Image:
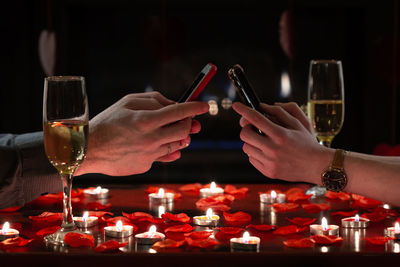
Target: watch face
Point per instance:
(334, 180)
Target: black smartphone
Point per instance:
(244, 89)
(199, 83)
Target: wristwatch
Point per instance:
(335, 178)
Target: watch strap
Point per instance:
(338, 159)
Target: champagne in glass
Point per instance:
(65, 129)
(325, 106)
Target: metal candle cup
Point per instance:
(209, 219)
(161, 197)
(97, 192)
(393, 231)
(86, 221)
(212, 191)
(119, 230)
(247, 242)
(150, 237)
(355, 222)
(324, 228)
(7, 232)
(273, 197)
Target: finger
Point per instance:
(196, 127)
(258, 120)
(172, 147)
(243, 122)
(250, 135)
(253, 152)
(169, 158)
(298, 113)
(173, 132)
(157, 96)
(174, 113)
(282, 116)
(138, 103)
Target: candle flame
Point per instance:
(273, 194)
(213, 187)
(397, 228)
(386, 206)
(356, 218)
(152, 229)
(209, 213)
(6, 227)
(118, 226)
(246, 237)
(97, 190)
(324, 224)
(161, 210)
(85, 216)
(161, 192)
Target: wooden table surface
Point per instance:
(131, 198)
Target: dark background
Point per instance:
(125, 47)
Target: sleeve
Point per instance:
(25, 172)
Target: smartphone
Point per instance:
(243, 87)
(199, 83)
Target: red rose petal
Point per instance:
(337, 195)
(10, 209)
(110, 245)
(201, 243)
(297, 196)
(299, 243)
(180, 217)
(288, 230)
(301, 221)
(315, 208)
(217, 203)
(182, 228)
(285, 207)
(14, 242)
(47, 217)
(137, 215)
(168, 243)
(97, 206)
(48, 230)
(379, 214)
(199, 235)
(237, 219)
(79, 240)
(229, 230)
(194, 188)
(261, 227)
(378, 240)
(232, 190)
(365, 202)
(345, 213)
(326, 239)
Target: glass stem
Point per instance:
(68, 221)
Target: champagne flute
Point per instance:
(325, 105)
(65, 129)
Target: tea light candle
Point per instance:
(393, 231)
(246, 242)
(355, 222)
(85, 221)
(273, 197)
(212, 191)
(208, 220)
(150, 237)
(161, 197)
(118, 230)
(7, 232)
(97, 192)
(324, 228)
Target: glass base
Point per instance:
(58, 237)
(316, 191)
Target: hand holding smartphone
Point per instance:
(199, 83)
